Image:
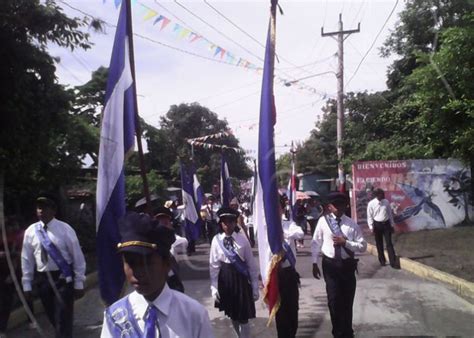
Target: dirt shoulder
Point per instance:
(449, 250)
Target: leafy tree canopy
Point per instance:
(37, 133)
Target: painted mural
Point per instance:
(424, 194)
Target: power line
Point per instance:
(218, 31)
(152, 40)
(173, 47)
(358, 12)
(176, 17)
(236, 100)
(233, 24)
(80, 61)
(70, 72)
(373, 42)
(214, 28)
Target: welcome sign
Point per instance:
(423, 194)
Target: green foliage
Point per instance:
(429, 108)
(37, 133)
(418, 31)
(134, 186)
(318, 153)
(168, 145)
(283, 169)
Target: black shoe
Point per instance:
(383, 263)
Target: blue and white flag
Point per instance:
(266, 209)
(192, 200)
(226, 184)
(116, 143)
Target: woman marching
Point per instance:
(234, 273)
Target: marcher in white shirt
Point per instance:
(164, 216)
(234, 273)
(286, 318)
(153, 309)
(380, 222)
(210, 213)
(337, 237)
(68, 277)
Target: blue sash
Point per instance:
(121, 321)
(54, 252)
(235, 259)
(289, 254)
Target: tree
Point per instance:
(319, 151)
(417, 31)
(36, 129)
(283, 169)
(134, 186)
(167, 145)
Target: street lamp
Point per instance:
(340, 124)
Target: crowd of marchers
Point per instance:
(47, 257)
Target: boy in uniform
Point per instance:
(152, 309)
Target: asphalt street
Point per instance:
(388, 302)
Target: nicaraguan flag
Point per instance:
(267, 216)
(192, 200)
(226, 185)
(116, 142)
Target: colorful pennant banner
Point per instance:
(183, 33)
(215, 146)
(222, 54)
(210, 137)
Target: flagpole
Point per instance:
(138, 129)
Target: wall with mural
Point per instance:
(424, 194)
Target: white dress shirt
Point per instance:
(65, 239)
(379, 211)
(242, 248)
(322, 239)
(211, 211)
(291, 232)
(178, 315)
(179, 242)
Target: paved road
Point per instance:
(388, 303)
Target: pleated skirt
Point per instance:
(235, 294)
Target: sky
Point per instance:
(173, 69)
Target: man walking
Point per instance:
(380, 221)
(52, 249)
(337, 237)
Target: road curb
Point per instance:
(462, 286)
(19, 316)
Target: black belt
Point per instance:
(384, 222)
(55, 275)
(333, 259)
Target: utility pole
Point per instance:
(341, 36)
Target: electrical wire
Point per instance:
(218, 31)
(176, 17)
(83, 64)
(233, 24)
(373, 42)
(152, 40)
(69, 72)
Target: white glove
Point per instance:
(214, 293)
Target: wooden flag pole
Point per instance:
(138, 130)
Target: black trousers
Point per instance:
(287, 316)
(7, 291)
(59, 310)
(340, 288)
(384, 230)
(211, 230)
